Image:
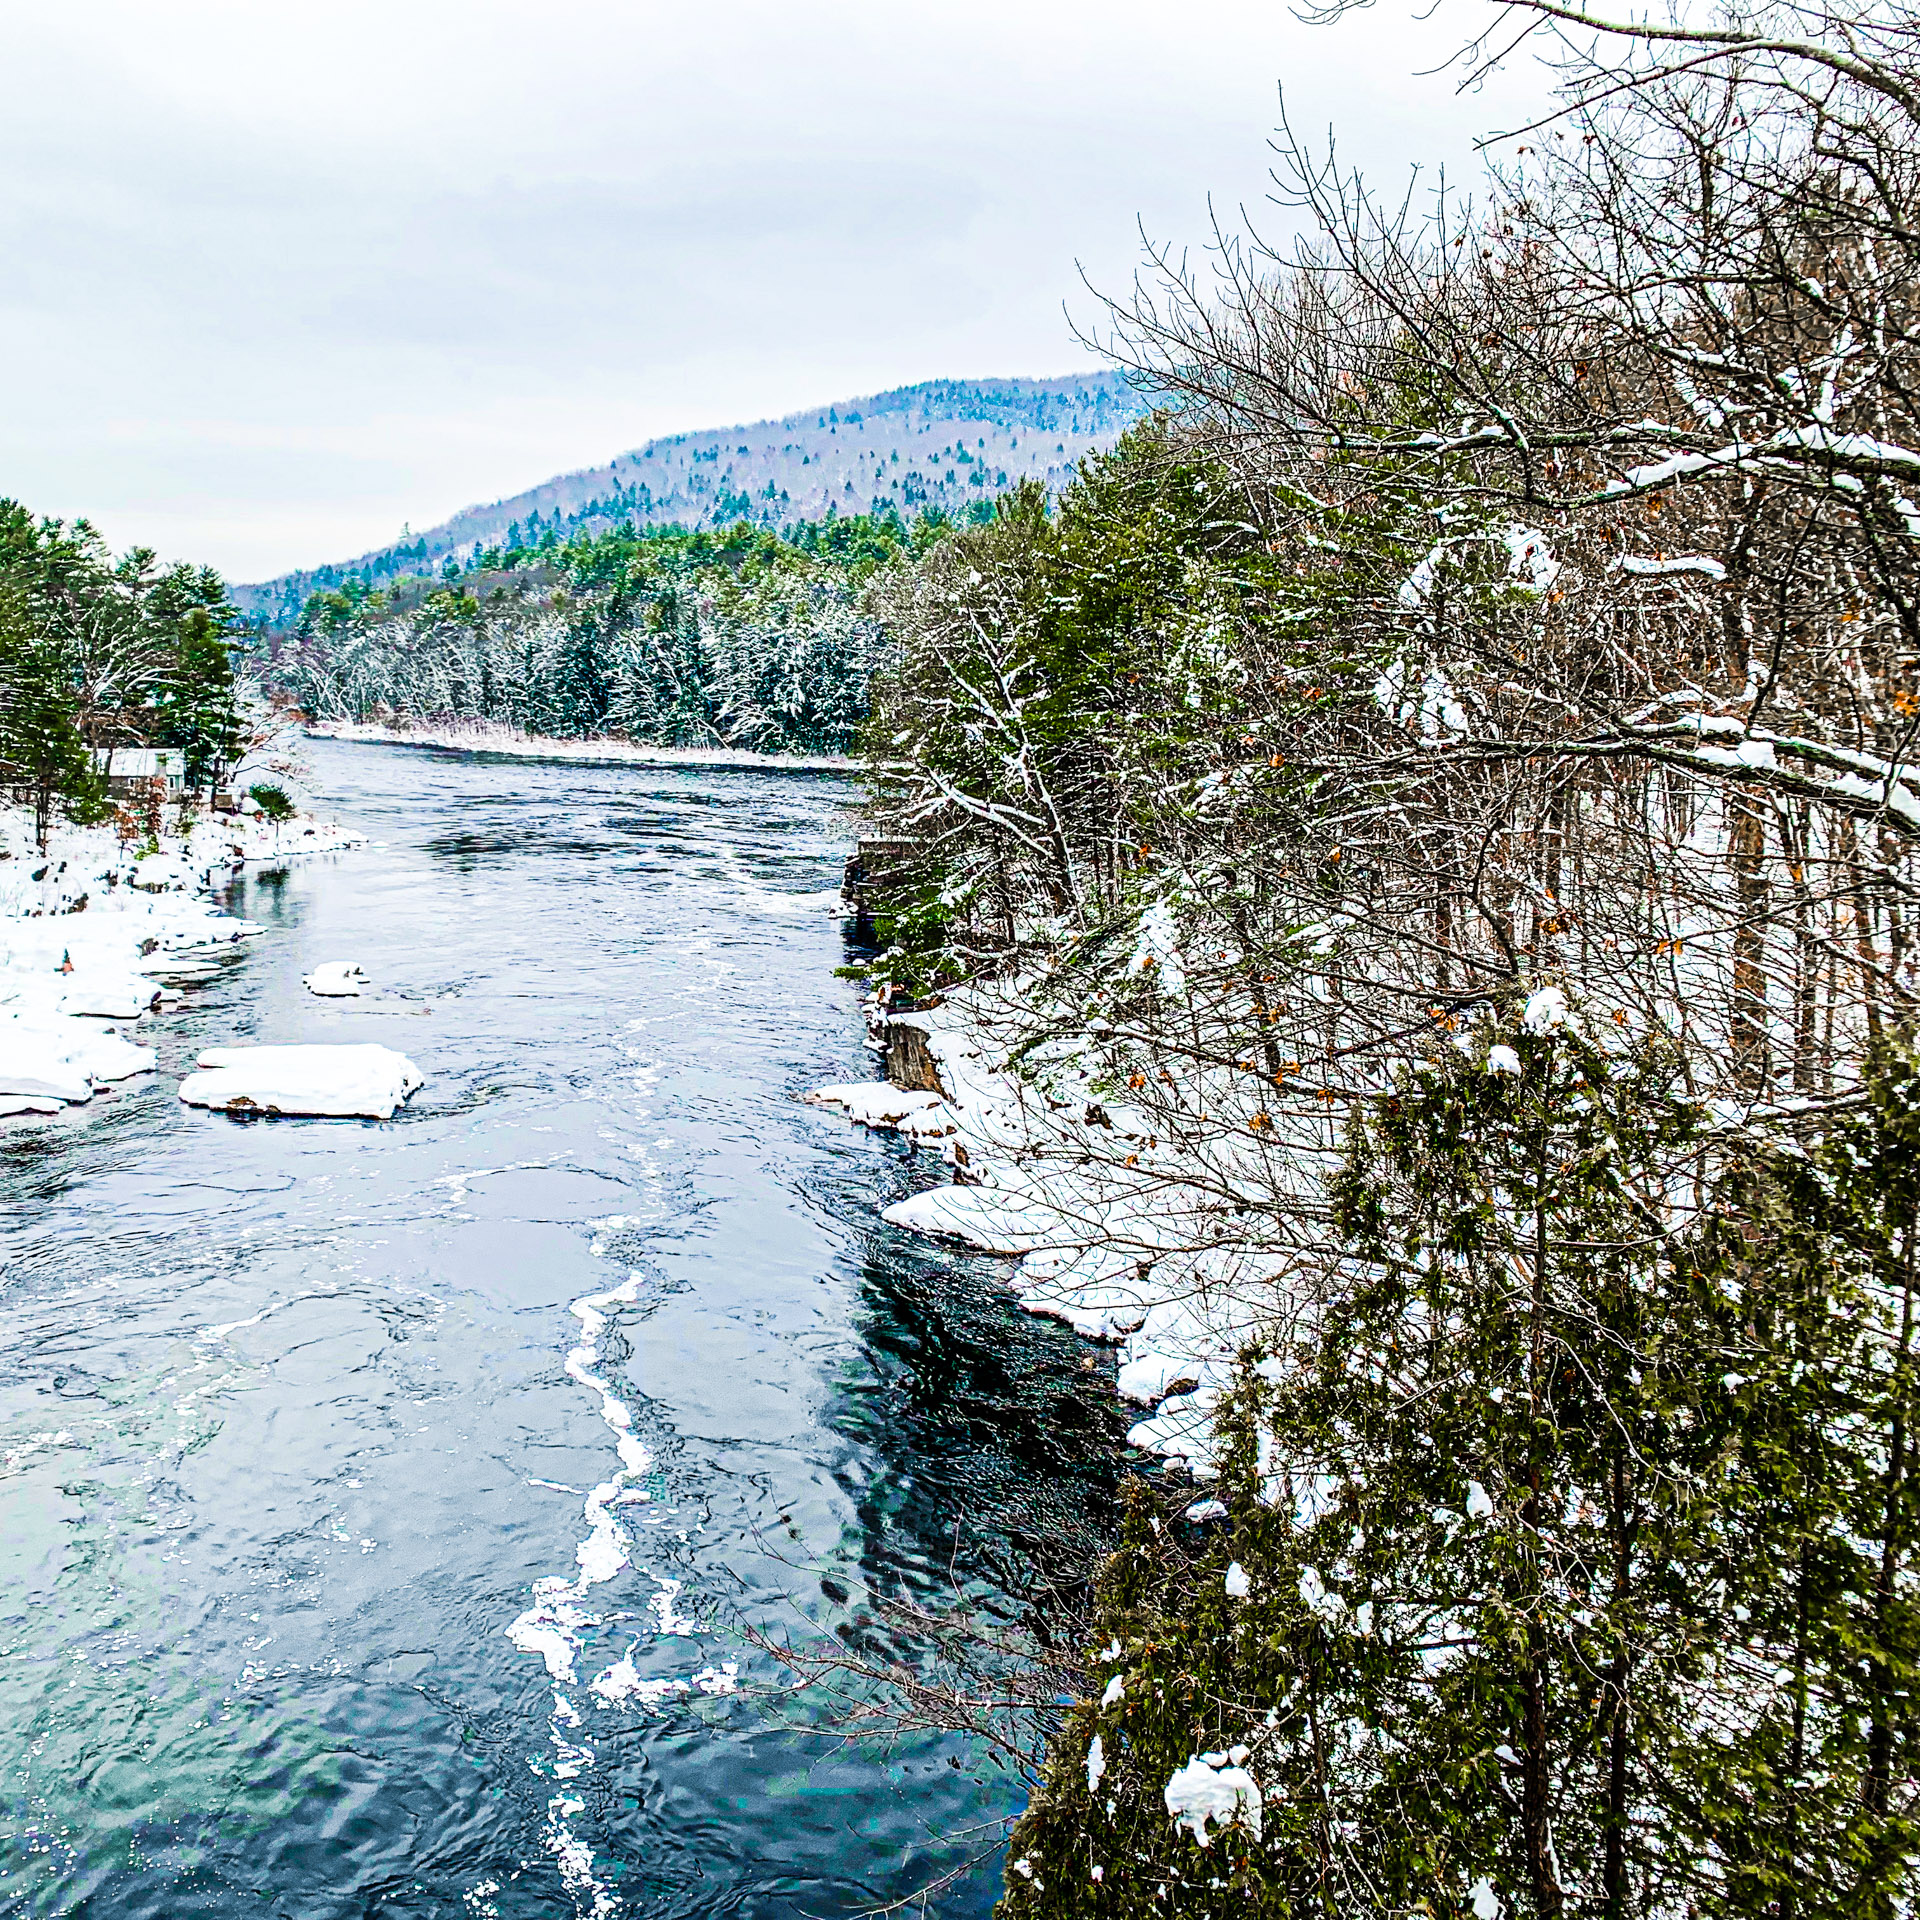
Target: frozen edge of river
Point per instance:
(94, 938)
(509, 743)
(1116, 1244)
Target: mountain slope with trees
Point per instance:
(741, 638)
(940, 446)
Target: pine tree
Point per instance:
(41, 745)
(1453, 1622)
(199, 712)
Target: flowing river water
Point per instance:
(385, 1509)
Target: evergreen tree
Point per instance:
(1565, 1566)
(198, 710)
(41, 746)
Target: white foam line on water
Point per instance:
(555, 1626)
(457, 1184)
(272, 1307)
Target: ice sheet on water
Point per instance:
(874, 1103)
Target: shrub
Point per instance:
(273, 802)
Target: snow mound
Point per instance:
(994, 1222)
(106, 991)
(62, 1062)
(1198, 1794)
(1097, 1291)
(874, 1103)
(1545, 1011)
(321, 1081)
(1150, 1378)
(336, 980)
(36, 1066)
(1182, 1430)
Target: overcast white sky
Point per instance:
(277, 277)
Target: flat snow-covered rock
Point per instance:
(1150, 1378)
(35, 1066)
(102, 1055)
(874, 1103)
(366, 1082)
(114, 993)
(337, 980)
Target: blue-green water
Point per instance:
(287, 1435)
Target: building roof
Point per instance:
(141, 763)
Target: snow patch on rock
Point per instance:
(336, 980)
(326, 1082)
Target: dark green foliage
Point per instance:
(272, 801)
(1814, 1804)
(197, 709)
(1067, 674)
(734, 637)
(1577, 1549)
(100, 654)
(41, 746)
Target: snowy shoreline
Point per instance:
(490, 740)
(1103, 1238)
(1123, 1232)
(95, 937)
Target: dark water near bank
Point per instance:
(286, 1435)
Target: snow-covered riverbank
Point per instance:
(490, 737)
(95, 935)
(1114, 1231)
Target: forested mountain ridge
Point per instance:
(937, 445)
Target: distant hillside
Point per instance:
(941, 444)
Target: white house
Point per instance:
(131, 769)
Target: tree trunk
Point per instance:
(1749, 852)
(1619, 1674)
(1535, 1797)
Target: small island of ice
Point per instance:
(337, 980)
(345, 1082)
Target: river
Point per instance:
(296, 1417)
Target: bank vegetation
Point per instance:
(1454, 773)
